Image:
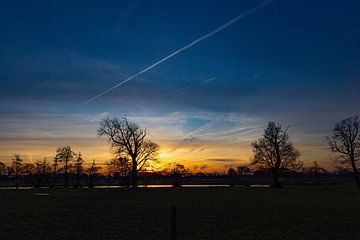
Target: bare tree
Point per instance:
(316, 169)
(17, 163)
(3, 170)
(231, 172)
(28, 170)
(128, 141)
(276, 152)
(42, 168)
(65, 155)
(345, 140)
(176, 171)
(55, 165)
(122, 167)
(78, 168)
(93, 169)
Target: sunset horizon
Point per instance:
(204, 91)
(179, 119)
(205, 86)
(215, 151)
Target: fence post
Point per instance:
(173, 223)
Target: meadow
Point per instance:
(293, 212)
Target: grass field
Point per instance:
(297, 212)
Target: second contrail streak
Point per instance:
(206, 36)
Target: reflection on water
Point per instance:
(153, 186)
(101, 187)
(156, 186)
(205, 185)
(260, 185)
(140, 186)
(42, 194)
(14, 188)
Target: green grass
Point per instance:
(299, 212)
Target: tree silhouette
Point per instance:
(128, 141)
(55, 165)
(122, 166)
(28, 170)
(42, 168)
(3, 170)
(176, 171)
(17, 163)
(231, 172)
(65, 155)
(274, 151)
(78, 168)
(316, 169)
(345, 140)
(93, 169)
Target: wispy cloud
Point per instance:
(200, 83)
(222, 160)
(193, 43)
(222, 138)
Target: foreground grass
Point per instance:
(302, 212)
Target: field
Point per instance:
(296, 212)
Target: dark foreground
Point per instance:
(297, 212)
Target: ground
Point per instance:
(296, 212)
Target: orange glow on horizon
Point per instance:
(209, 157)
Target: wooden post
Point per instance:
(173, 223)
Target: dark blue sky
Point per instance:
(296, 62)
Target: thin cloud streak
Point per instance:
(180, 90)
(206, 36)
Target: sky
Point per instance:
(293, 62)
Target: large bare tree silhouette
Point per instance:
(129, 141)
(345, 140)
(275, 151)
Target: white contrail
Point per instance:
(206, 36)
(177, 91)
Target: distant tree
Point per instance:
(3, 170)
(172, 167)
(28, 169)
(92, 171)
(201, 174)
(78, 164)
(231, 172)
(17, 164)
(65, 155)
(244, 170)
(55, 165)
(316, 169)
(176, 171)
(276, 152)
(43, 168)
(181, 169)
(128, 141)
(345, 140)
(122, 166)
(341, 169)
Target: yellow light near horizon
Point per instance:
(170, 152)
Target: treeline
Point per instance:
(51, 174)
(274, 155)
(273, 152)
(66, 166)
